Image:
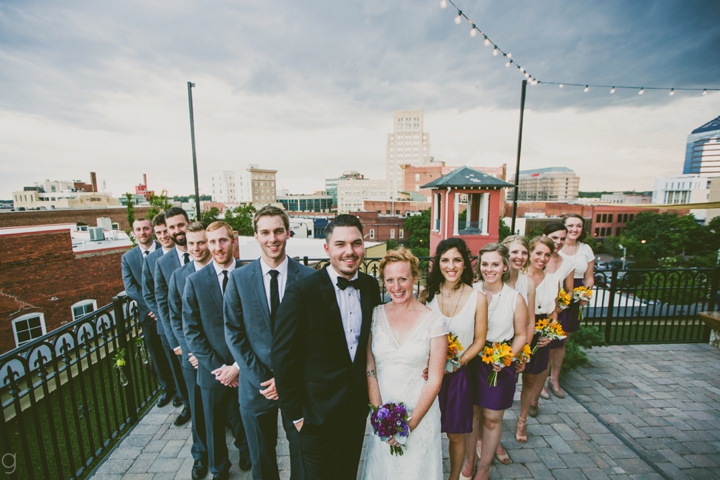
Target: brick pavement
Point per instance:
(636, 412)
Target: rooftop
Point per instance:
(467, 177)
(547, 170)
(713, 124)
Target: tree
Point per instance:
(504, 230)
(391, 245)
(130, 214)
(211, 215)
(158, 203)
(652, 236)
(240, 219)
(417, 228)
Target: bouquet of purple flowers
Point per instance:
(391, 420)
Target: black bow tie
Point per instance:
(343, 283)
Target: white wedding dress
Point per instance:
(399, 371)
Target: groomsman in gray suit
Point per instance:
(253, 295)
(176, 220)
(204, 328)
(132, 263)
(198, 248)
(147, 284)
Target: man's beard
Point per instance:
(182, 242)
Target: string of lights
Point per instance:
(532, 80)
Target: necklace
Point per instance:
(442, 296)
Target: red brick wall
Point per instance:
(381, 225)
(37, 267)
(75, 215)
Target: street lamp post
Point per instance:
(624, 258)
(517, 164)
(198, 216)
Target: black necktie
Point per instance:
(186, 258)
(274, 296)
(225, 280)
(343, 283)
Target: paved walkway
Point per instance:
(638, 412)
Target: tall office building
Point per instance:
(407, 145)
(254, 185)
(702, 153)
(556, 184)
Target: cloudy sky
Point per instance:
(309, 87)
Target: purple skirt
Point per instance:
(455, 397)
(539, 361)
(499, 397)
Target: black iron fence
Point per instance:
(630, 305)
(65, 400)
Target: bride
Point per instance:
(404, 334)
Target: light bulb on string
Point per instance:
(508, 63)
(642, 90)
(443, 3)
(473, 31)
(487, 42)
(527, 75)
(495, 52)
(509, 55)
(704, 91)
(587, 87)
(672, 92)
(458, 19)
(561, 85)
(612, 90)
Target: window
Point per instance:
(604, 218)
(82, 308)
(402, 233)
(610, 215)
(597, 232)
(392, 233)
(28, 327)
(598, 218)
(632, 216)
(372, 233)
(417, 177)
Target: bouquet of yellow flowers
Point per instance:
(564, 299)
(523, 355)
(453, 353)
(549, 328)
(581, 293)
(497, 354)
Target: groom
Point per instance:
(319, 354)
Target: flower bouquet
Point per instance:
(453, 353)
(523, 355)
(549, 328)
(142, 351)
(582, 293)
(119, 363)
(498, 354)
(391, 420)
(564, 299)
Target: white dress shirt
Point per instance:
(281, 278)
(220, 276)
(181, 256)
(350, 310)
(149, 250)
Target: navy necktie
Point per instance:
(225, 280)
(274, 296)
(186, 258)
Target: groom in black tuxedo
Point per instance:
(319, 354)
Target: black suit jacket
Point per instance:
(204, 325)
(314, 376)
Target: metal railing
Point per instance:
(63, 401)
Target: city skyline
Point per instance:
(310, 89)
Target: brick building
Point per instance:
(87, 216)
(380, 228)
(45, 284)
(398, 207)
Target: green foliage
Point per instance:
(187, 198)
(211, 215)
(585, 338)
(240, 219)
(592, 194)
(417, 228)
(535, 232)
(391, 245)
(130, 214)
(653, 236)
(504, 230)
(158, 203)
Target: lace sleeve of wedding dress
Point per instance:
(438, 326)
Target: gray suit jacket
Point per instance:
(203, 324)
(164, 268)
(132, 264)
(248, 330)
(176, 287)
(148, 285)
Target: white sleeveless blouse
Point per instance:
(521, 285)
(546, 295)
(463, 323)
(501, 314)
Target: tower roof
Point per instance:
(467, 177)
(713, 124)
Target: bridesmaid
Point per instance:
(507, 322)
(583, 259)
(563, 270)
(546, 292)
(449, 291)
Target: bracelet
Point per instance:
(459, 361)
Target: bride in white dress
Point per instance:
(406, 337)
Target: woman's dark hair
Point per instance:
(435, 277)
(582, 220)
(553, 227)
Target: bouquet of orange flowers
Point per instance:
(549, 328)
(453, 353)
(564, 299)
(582, 293)
(523, 355)
(497, 354)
